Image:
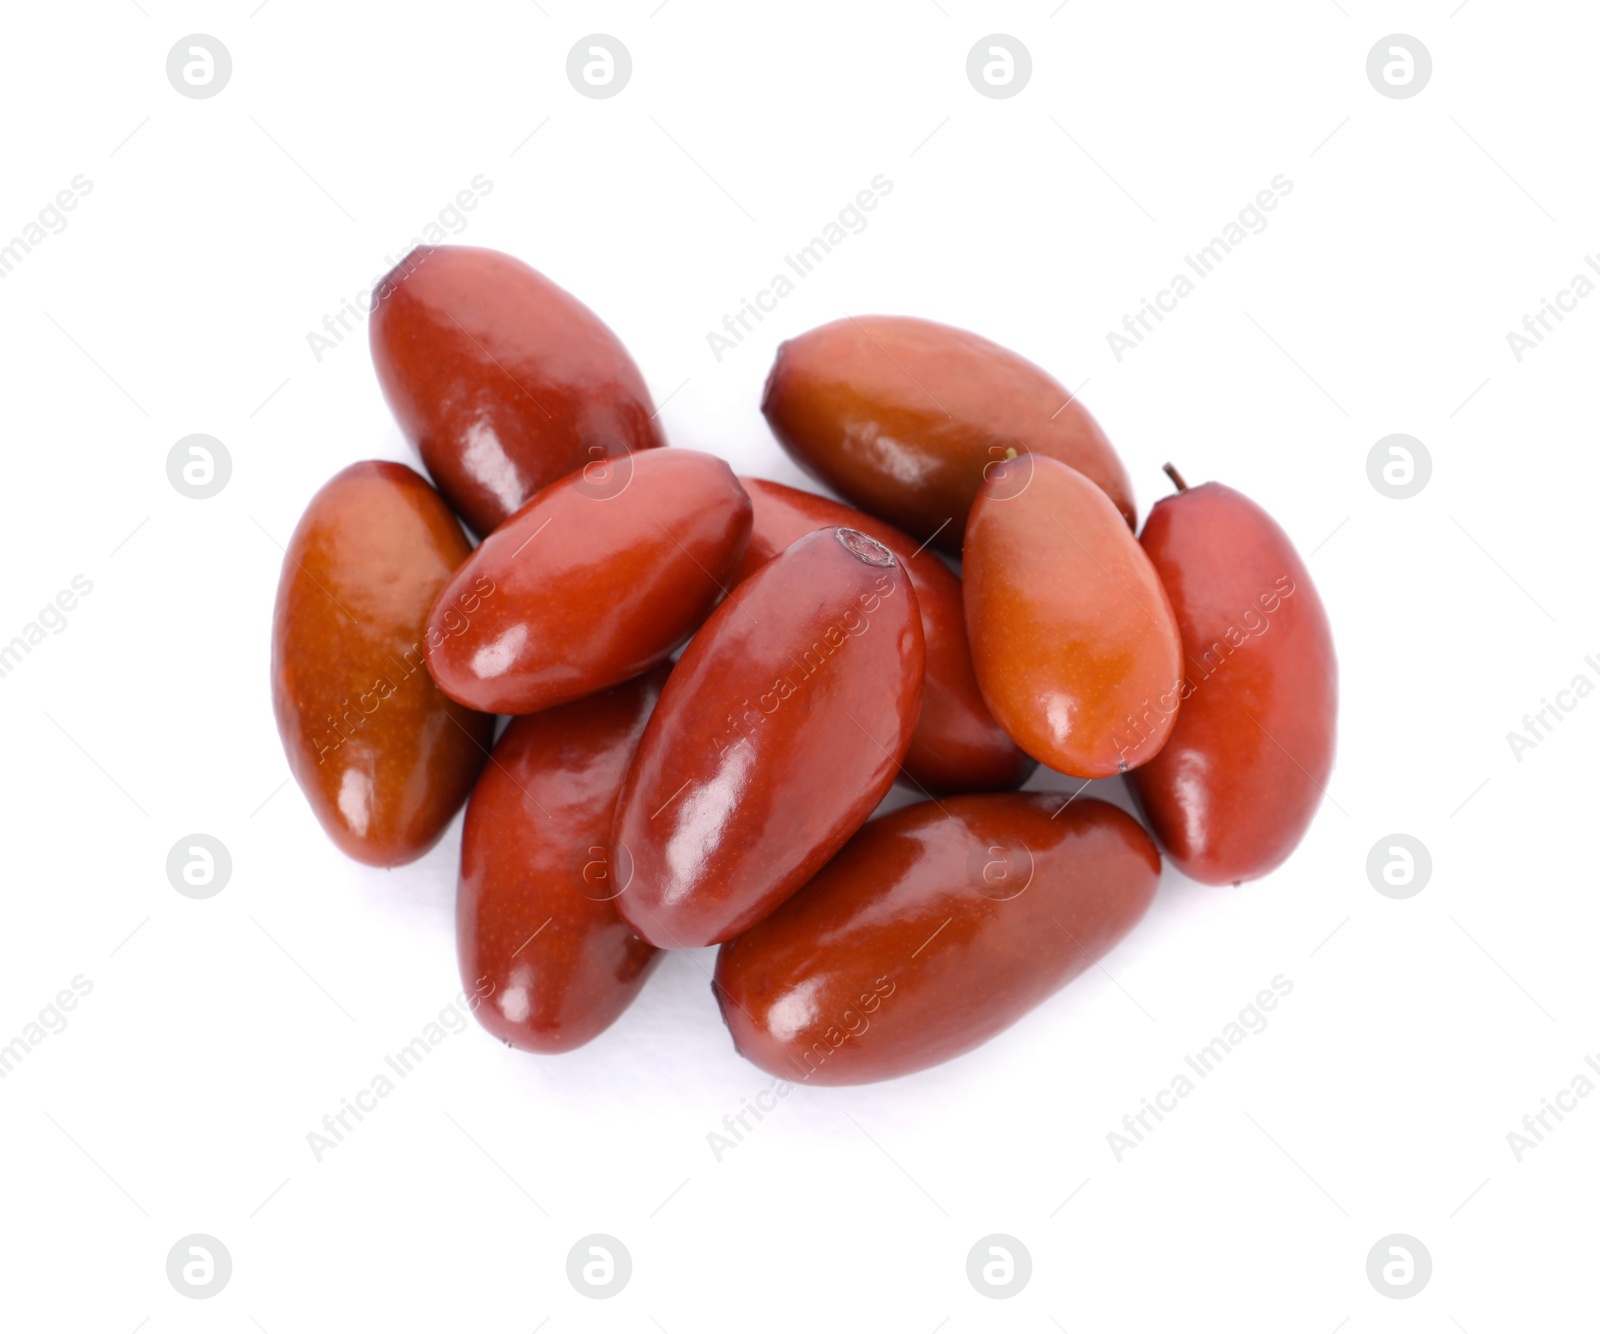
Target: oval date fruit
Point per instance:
(537, 930)
(383, 757)
(957, 746)
(1236, 785)
(501, 380)
(903, 417)
(936, 927)
(1072, 636)
(780, 729)
(590, 583)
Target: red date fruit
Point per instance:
(904, 417)
(936, 927)
(957, 746)
(1072, 636)
(537, 930)
(383, 757)
(593, 581)
(780, 729)
(1233, 790)
(501, 380)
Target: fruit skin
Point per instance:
(903, 417)
(501, 380)
(1072, 636)
(936, 927)
(1233, 790)
(594, 582)
(537, 930)
(957, 746)
(373, 548)
(779, 730)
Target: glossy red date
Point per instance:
(593, 581)
(537, 929)
(958, 746)
(937, 926)
(383, 757)
(501, 380)
(1234, 788)
(779, 730)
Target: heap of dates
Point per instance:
(639, 801)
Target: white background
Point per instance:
(218, 1033)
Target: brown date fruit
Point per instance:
(1072, 636)
(904, 417)
(383, 757)
(501, 380)
(781, 727)
(957, 746)
(1236, 785)
(936, 927)
(537, 930)
(593, 581)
